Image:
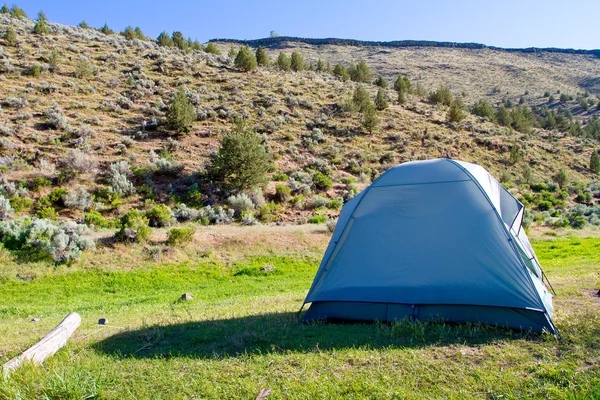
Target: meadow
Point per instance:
(239, 333)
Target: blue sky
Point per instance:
(505, 23)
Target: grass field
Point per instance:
(239, 334)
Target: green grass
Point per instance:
(239, 334)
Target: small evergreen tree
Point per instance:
(262, 58)
(245, 60)
(196, 46)
(40, 27)
(527, 174)
(381, 100)
(595, 162)
(129, 33)
(139, 34)
(164, 39)
(456, 111)
(241, 162)
(284, 62)
(297, 62)
(106, 30)
(403, 84)
(320, 66)
(370, 120)
(212, 49)
(441, 96)
(401, 97)
(561, 178)
(503, 116)
(381, 82)
(483, 109)
(361, 99)
(17, 12)
(181, 114)
(53, 60)
(84, 25)
(4, 9)
(179, 41)
(10, 36)
(341, 72)
(515, 155)
(232, 53)
(360, 72)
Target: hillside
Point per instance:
(76, 101)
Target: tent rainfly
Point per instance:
(432, 240)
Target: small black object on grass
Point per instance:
(103, 321)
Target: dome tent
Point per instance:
(435, 239)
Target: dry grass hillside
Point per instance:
(476, 73)
(76, 101)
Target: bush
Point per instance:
(370, 119)
(10, 36)
(322, 181)
(54, 198)
(341, 72)
(317, 219)
(118, 178)
(180, 236)
(360, 72)
(267, 212)
(216, 215)
(84, 69)
(361, 99)
(159, 216)
(331, 224)
(164, 39)
(56, 119)
(78, 162)
(283, 193)
(184, 213)
(47, 213)
(40, 27)
(248, 219)
(241, 162)
(38, 183)
(381, 100)
(212, 49)
(240, 203)
(441, 96)
(297, 62)
(36, 70)
(134, 227)
(78, 199)
(181, 114)
(284, 62)
(456, 112)
(6, 209)
(21, 203)
(94, 218)
(561, 178)
(279, 177)
(483, 109)
(262, 58)
(245, 60)
(63, 242)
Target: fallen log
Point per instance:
(49, 344)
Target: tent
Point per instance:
(432, 240)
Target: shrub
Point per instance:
(21, 203)
(39, 182)
(245, 60)
(79, 162)
(262, 58)
(212, 49)
(79, 199)
(279, 177)
(381, 100)
(181, 114)
(561, 178)
(10, 36)
(6, 208)
(267, 212)
(331, 224)
(94, 218)
(56, 119)
(370, 119)
(54, 198)
(17, 12)
(283, 193)
(40, 27)
(134, 227)
(483, 109)
(341, 72)
(180, 236)
(361, 99)
(241, 162)
(118, 178)
(47, 213)
(403, 85)
(322, 181)
(248, 219)
(441, 96)
(360, 72)
(63, 242)
(317, 219)
(456, 112)
(240, 203)
(164, 39)
(595, 162)
(159, 215)
(84, 69)
(284, 62)
(319, 202)
(36, 71)
(297, 62)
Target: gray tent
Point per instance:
(436, 239)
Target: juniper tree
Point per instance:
(561, 178)
(245, 60)
(360, 72)
(370, 120)
(403, 84)
(527, 173)
(595, 162)
(381, 82)
(381, 101)
(320, 65)
(4, 9)
(129, 33)
(441, 96)
(503, 116)
(11, 36)
(196, 45)
(456, 111)
(515, 155)
(106, 30)
(17, 12)
(164, 39)
(179, 41)
(84, 25)
(361, 99)
(40, 27)
(341, 72)
(297, 62)
(181, 114)
(232, 53)
(284, 62)
(139, 34)
(262, 58)
(212, 49)
(483, 109)
(241, 163)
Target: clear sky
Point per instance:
(504, 23)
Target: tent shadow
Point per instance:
(282, 333)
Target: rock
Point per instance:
(267, 268)
(103, 321)
(186, 296)
(35, 320)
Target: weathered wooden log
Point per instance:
(49, 344)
